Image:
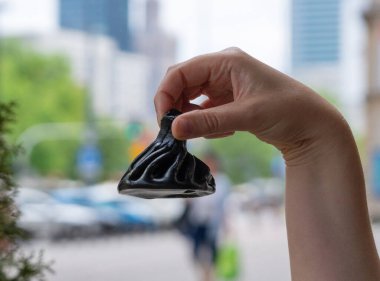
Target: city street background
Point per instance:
(167, 255)
(83, 75)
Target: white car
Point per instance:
(44, 217)
(162, 212)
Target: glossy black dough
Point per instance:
(165, 169)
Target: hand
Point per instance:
(245, 95)
(329, 232)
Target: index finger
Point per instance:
(194, 72)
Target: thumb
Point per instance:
(222, 119)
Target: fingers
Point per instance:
(222, 135)
(192, 74)
(189, 107)
(218, 121)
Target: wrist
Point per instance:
(328, 140)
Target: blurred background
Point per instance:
(83, 74)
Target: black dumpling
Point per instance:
(165, 169)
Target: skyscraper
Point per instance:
(326, 51)
(157, 45)
(316, 33)
(372, 17)
(108, 17)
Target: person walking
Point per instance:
(206, 221)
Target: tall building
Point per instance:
(326, 52)
(106, 17)
(160, 47)
(372, 18)
(117, 80)
(316, 34)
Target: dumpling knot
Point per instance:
(165, 169)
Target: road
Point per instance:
(167, 256)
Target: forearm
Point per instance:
(329, 231)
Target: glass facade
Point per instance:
(109, 17)
(315, 32)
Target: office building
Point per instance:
(316, 44)
(316, 32)
(115, 79)
(106, 17)
(372, 164)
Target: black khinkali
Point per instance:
(165, 169)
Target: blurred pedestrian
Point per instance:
(207, 219)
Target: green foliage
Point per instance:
(41, 86)
(6, 150)
(56, 158)
(14, 265)
(44, 92)
(114, 149)
(244, 156)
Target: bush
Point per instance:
(14, 265)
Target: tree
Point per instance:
(41, 85)
(244, 156)
(14, 265)
(45, 92)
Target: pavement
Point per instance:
(166, 255)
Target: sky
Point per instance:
(261, 28)
(25, 16)
(258, 27)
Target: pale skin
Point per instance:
(328, 226)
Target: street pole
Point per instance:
(90, 143)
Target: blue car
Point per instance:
(114, 212)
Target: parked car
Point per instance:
(129, 213)
(166, 212)
(261, 194)
(45, 217)
(113, 211)
(158, 213)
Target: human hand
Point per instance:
(245, 95)
(328, 227)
